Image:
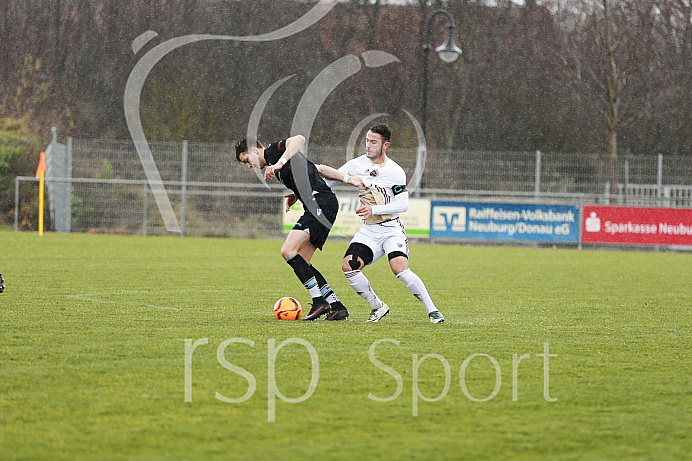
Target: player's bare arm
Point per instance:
(290, 200)
(332, 173)
(365, 211)
(293, 145)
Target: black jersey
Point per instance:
(293, 174)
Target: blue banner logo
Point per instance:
(505, 221)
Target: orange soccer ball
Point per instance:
(288, 309)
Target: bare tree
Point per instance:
(546, 75)
(595, 57)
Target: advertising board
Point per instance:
(637, 226)
(505, 221)
(416, 219)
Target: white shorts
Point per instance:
(384, 238)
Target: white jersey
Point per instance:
(389, 179)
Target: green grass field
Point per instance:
(93, 352)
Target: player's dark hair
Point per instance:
(241, 146)
(383, 130)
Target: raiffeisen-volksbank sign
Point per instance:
(505, 221)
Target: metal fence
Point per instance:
(212, 194)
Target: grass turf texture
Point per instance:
(93, 354)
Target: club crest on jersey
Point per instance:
(375, 172)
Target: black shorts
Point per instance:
(327, 206)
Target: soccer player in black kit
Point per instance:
(283, 160)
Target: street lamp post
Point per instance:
(448, 52)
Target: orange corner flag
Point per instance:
(40, 172)
(41, 165)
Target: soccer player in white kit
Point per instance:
(383, 197)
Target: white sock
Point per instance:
(361, 285)
(331, 299)
(328, 294)
(417, 287)
(313, 288)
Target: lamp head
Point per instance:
(448, 51)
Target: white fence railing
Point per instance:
(241, 209)
(666, 196)
(100, 185)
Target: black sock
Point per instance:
(301, 268)
(307, 278)
(325, 289)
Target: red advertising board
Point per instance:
(637, 226)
